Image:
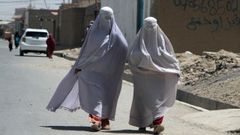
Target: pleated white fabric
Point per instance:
(155, 74)
(96, 88)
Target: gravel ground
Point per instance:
(214, 75)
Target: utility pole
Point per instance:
(140, 14)
(30, 4)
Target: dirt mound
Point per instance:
(214, 75)
(198, 67)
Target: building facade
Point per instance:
(42, 19)
(72, 23)
(125, 12)
(18, 17)
(191, 25)
(200, 25)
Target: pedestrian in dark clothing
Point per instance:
(86, 30)
(10, 43)
(16, 39)
(50, 46)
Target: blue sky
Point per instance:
(7, 7)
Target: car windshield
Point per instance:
(36, 34)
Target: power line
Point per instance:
(30, 4)
(45, 4)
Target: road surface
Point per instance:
(28, 82)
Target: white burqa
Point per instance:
(155, 74)
(96, 88)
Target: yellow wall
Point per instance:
(199, 25)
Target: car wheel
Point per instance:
(21, 52)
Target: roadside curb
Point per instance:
(63, 55)
(184, 103)
(192, 99)
(203, 102)
(182, 95)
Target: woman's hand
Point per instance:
(77, 70)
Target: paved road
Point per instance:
(27, 84)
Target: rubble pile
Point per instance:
(199, 67)
(72, 53)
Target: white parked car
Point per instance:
(33, 40)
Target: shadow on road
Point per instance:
(128, 131)
(88, 129)
(29, 55)
(72, 128)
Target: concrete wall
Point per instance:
(191, 25)
(125, 12)
(71, 27)
(35, 18)
(73, 22)
(200, 25)
(19, 19)
(84, 3)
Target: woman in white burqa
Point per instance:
(94, 82)
(155, 75)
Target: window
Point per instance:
(36, 34)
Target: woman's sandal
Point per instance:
(95, 121)
(142, 129)
(105, 124)
(158, 129)
(96, 126)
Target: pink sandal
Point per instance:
(95, 121)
